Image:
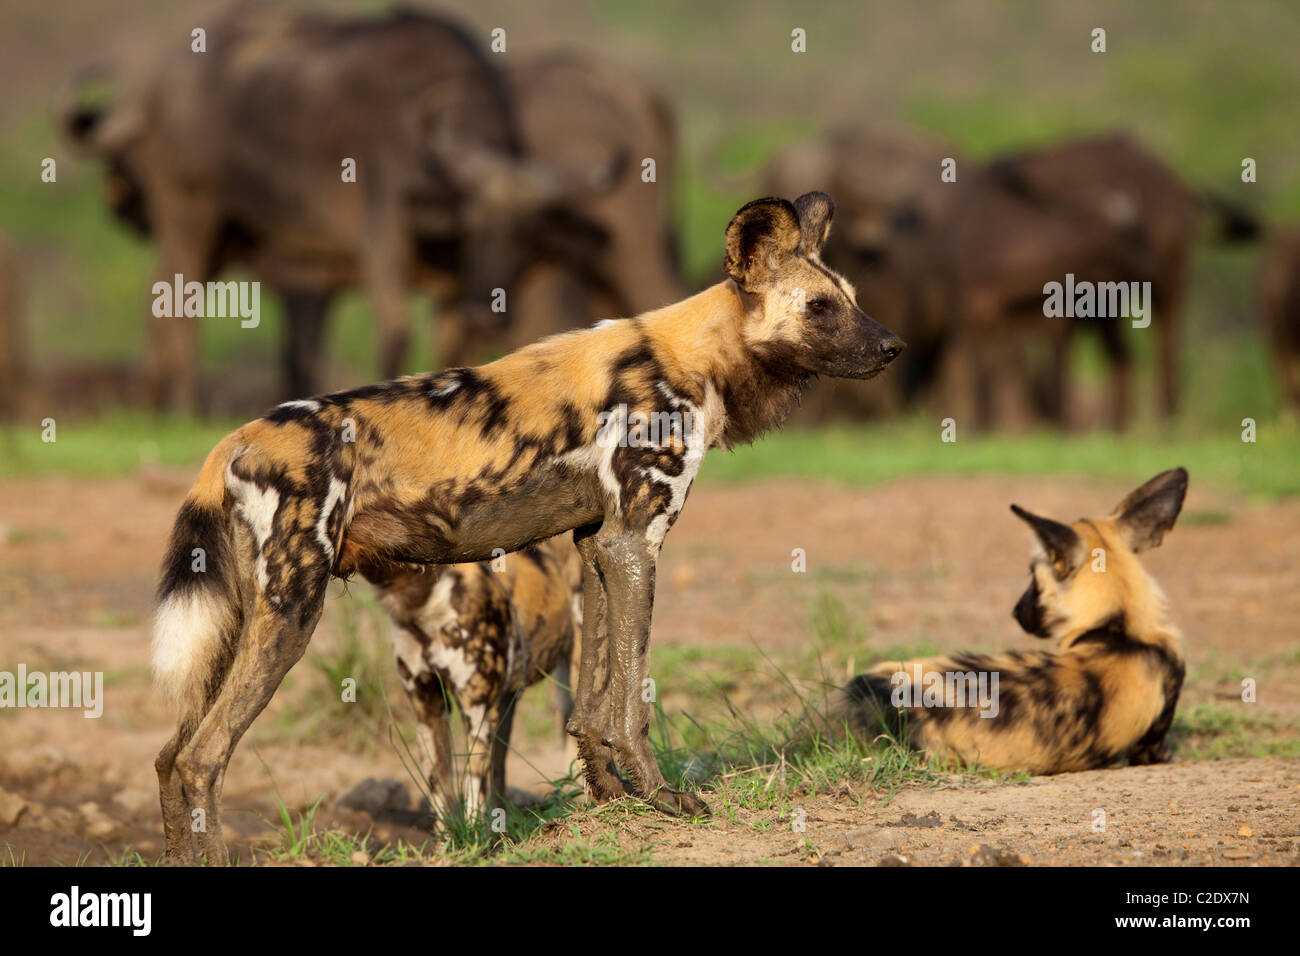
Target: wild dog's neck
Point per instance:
(1142, 618)
(704, 336)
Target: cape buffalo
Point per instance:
(959, 268)
(241, 154)
(577, 113)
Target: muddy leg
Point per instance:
(433, 740)
(481, 728)
(591, 706)
(627, 563)
(181, 849)
(272, 643)
(496, 787)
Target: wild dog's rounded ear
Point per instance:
(1149, 512)
(1064, 548)
(815, 213)
(760, 235)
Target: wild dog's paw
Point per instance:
(603, 782)
(678, 803)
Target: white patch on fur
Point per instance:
(445, 390)
(435, 617)
(705, 424)
(310, 404)
(189, 628)
(337, 490)
(257, 506)
(408, 650)
(598, 457)
(605, 323)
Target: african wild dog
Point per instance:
(1107, 692)
(469, 633)
(447, 467)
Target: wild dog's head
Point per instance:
(798, 311)
(1087, 574)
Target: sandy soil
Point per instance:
(1233, 812)
(936, 560)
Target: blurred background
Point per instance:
(526, 170)
(1012, 92)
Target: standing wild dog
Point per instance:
(1107, 692)
(468, 633)
(447, 467)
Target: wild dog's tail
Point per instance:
(862, 707)
(198, 615)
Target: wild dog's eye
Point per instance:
(819, 305)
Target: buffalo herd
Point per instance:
(396, 154)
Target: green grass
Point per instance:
(864, 455)
(856, 455)
(1216, 731)
(116, 444)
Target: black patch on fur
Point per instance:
(381, 391)
(195, 527)
(283, 414)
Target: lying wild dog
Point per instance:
(468, 633)
(1106, 693)
(447, 467)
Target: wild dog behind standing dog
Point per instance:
(1106, 693)
(480, 637)
(447, 467)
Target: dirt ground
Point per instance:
(934, 560)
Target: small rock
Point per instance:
(984, 855)
(931, 819)
(12, 807)
(137, 802)
(894, 859)
(38, 762)
(360, 858)
(98, 824)
(377, 797)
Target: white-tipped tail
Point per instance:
(190, 629)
